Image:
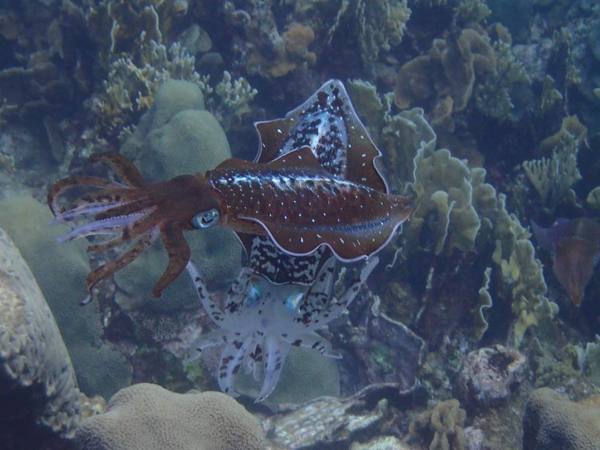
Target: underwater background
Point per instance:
(478, 329)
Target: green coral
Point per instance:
(470, 12)
(445, 422)
(443, 186)
(493, 96)
(521, 272)
(378, 24)
(550, 95)
(553, 176)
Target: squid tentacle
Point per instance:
(122, 167)
(231, 361)
(179, 254)
(106, 270)
(275, 354)
(104, 226)
(210, 306)
(62, 186)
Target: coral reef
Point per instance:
(521, 273)
(553, 422)
(147, 416)
(39, 391)
(386, 350)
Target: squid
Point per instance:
(258, 323)
(314, 188)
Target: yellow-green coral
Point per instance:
(379, 24)
(398, 135)
(493, 95)
(445, 421)
(553, 176)
(521, 272)
(443, 186)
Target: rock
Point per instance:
(330, 422)
(148, 417)
(489, 375)
(38, 389)
(552, 422)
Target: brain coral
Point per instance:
(38, 390)
(148, 417)
(552, 422)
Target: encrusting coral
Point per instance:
(149, 417)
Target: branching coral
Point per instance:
(377, 24)
(130, 88)
(494, 96)
(262, 48)
(552, 177)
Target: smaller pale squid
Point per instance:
(260, 321)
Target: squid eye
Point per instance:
(206, 219)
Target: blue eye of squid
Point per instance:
(206, 219)
(253, 296)
(293, 300)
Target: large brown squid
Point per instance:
(291, 199)
(315, 184)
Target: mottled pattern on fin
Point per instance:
(329, 125)
(272, 135)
